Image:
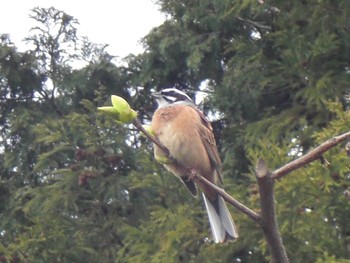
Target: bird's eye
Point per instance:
(170, 98)
(173, 95)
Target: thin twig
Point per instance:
(139, 126)
(220, 191)
(254, 23)
(268, 218)
(250, 213)
(310, 156)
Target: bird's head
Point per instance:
(172, 96)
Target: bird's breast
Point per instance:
(176, 127)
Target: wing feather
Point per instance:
(208, 139)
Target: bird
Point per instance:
(185, 131)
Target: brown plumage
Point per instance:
(188, 136)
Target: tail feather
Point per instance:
(221, 223)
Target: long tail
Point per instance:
(222, 225)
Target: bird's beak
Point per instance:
(156, 95)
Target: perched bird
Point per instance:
(188, 135)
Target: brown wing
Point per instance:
(208, 139)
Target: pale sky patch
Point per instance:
(119, 23)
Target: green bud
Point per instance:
(109, 110)
(120, 110)
(120, 104)
(127, 116)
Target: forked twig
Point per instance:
(267, 219)
(310, 156)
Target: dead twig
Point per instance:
(310, 156)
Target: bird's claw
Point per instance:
(193, 174)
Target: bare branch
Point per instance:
(261, 169)
(267, 219)
(268, 213)
(253, 215)
(254, 23)
(139, 126)
(309, 157)
(220, 191)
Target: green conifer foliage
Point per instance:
(77, 186)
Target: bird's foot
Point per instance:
(193, 174)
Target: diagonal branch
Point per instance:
(310, 156)
(228, 198)
(267, 219)
(254, 23)
(244, 209)
(139, 126)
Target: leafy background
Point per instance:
(76, 186)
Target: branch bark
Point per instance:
(139, 126)
(268, 213)
(267, 219)
(228, 198)
(244, 209)
(310, 156)
(254, 23)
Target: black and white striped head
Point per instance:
(172, 96)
